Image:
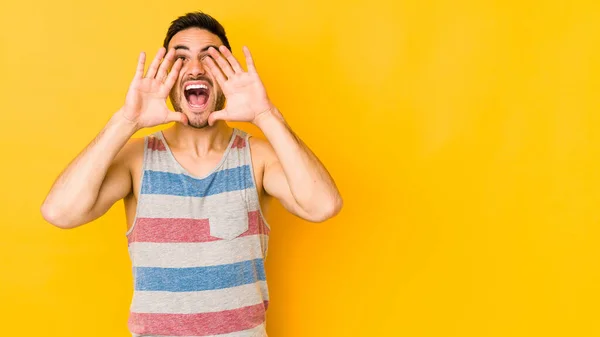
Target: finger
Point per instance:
(178, 117)
(165, 65)
(214, 70)
(222, 62)
(151, 73)
(231, 59)
(139, 72)
(217, 115)
(249, 60)
(173, 75)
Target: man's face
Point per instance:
(196, 92)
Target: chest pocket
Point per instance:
(230, 220)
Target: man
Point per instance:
(193, 193)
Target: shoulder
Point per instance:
(132, 152)
(261, 150)
(135, 146)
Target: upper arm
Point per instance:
(274, 181)
(117, 183)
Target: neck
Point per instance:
(199, 141)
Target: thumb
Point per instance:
(217, 115)
(173, 116)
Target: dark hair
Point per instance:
(196, 20)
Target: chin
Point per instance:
(197, 119)
(198, 124)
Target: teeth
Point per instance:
(196, 86)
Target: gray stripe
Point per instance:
(172, 206)
(166, 302)
(196, 254)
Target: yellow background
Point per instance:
(462, 134)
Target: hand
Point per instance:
(145, 104)
(246, 96)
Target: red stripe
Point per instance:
(186, 230)
(156, 144)
(238, 142)
(210, 323)
(256, 225)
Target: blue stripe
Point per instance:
(199, 278)
(234, 179)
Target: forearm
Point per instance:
(76, 189)
(310, 183)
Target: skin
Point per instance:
(109, 168)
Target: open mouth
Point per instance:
(196, 95)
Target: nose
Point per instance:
(195, 67)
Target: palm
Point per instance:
(246, 96)
(145, 103)
(245, 92)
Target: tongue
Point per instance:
(198, 99)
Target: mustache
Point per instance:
(198, 78)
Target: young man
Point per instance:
(193, 193)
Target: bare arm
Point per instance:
(294, 175)
(95, 179)
(101, 175)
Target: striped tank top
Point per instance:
(198, 246)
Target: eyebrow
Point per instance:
(180, 46)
